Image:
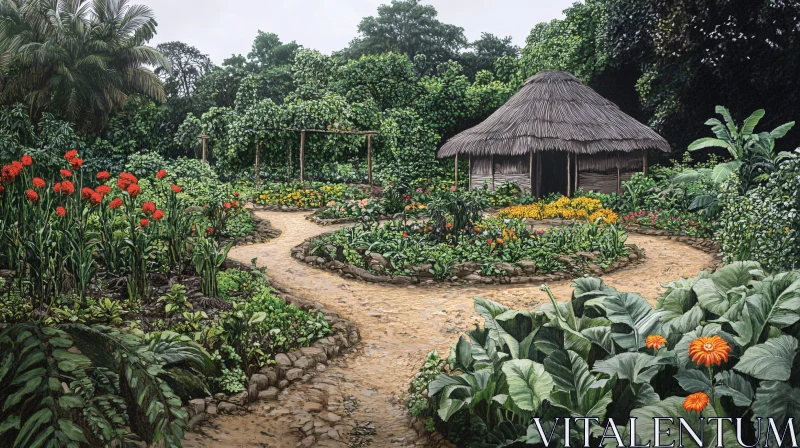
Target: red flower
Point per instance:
(26, 160)
(103, 190)
(86, 193)
(38, 182)
(149, 208)
(76, 163)
(161, 174)
(115, 203)
(144, 222)
(66, 188)
(133, 190)
(66, 173)
(405, 234)
(71, 154)
(103, 176)
(96, 198)
(227, 205)
(61, 211)
(8, 174)
(209, 230)
(18, 167)
(125, 180)
(176, 189)
(32, 196)
(158, 215)
(235, 203)
(236, 194)
(2, 189)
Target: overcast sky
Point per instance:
(221, 28)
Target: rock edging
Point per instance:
(262, 232)
(283, 208)
(464, 273)
(333, 221)
(293, 366)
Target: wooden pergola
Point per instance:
(302, 132)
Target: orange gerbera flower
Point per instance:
(655, 341)
(708, 351)
(696, 402)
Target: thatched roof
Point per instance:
(555, 111)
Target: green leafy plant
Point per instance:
(175, 301)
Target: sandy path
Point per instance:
(399, 325)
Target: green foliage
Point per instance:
(175, 300)
(587, 357)
(762, 224)
(73, 384)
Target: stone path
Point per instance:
(356, 400)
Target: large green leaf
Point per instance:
(678, 297)
(528, 383)
(694, 381)
(781, 130)
(585, 289)
(634, 367)
(497, 318)
(635, 319)
(712, 292)
(576, 390)
(676, 328)
(723, 171)
(771, 360)
(708, 142)
(775, 301)
(778, 400)
(750, 122)
(731, 384)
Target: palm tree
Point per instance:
(78, 59)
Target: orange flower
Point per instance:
(76, 163)
(103, 190)
(38, 182)
(66, 173)
(709, 350)
(26, 160)
(115, 204)
(696, 402)
(158, 215)
(655, 341)
(161, 174)
(61, 211)
(103, 176)
(149, 208)
(144, 222)
(133, 190)
(71, 154)
(32, 196)
(176, 189)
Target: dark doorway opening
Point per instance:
(554, 172)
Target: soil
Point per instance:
(399, 326)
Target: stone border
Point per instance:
(262, 232)
(464, 273)
(296, 365)
(435, 439)
(334, 221)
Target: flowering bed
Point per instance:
(308, 195)
(679, 223)
(579, 209)
(121, 270)
(491, 247)
(610, 355)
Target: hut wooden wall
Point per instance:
(500, 169)
(598, 172)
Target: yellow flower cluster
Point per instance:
(578, 209)
(415, 206)
(301, 197)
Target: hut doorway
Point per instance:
(554, 173)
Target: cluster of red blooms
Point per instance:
(10, 172)
(150, 209)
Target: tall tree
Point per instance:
(187, 63)
(485, 52)
(408, 27)
(269, 52)
(77, 59)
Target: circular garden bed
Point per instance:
(495, 251)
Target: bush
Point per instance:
(764, 223)
(717, 344)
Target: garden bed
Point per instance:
(469, 272)
(262, 232)
(295, 365)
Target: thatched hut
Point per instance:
(556, 135)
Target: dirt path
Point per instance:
(400, 325)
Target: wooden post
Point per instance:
(576, 173)
(369, 158)
(538, 174)
(619, 181)
(203, 138)
(302, 154)
(469, 170)
(257, 168)
(530, 170)
(569, 176)
(491, 160)
(644, 162)
(456, 173)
